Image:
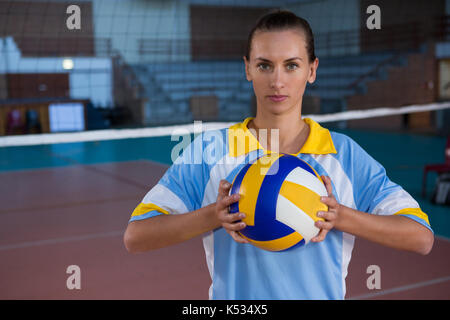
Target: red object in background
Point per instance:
(438, 168)
(15, 122)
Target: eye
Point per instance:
(263, 66)
(292, 66)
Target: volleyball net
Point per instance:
(117, 69)
(357, 119)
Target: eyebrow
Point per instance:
(290, 59)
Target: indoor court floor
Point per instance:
(69, 204)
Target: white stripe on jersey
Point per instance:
(166, 199)
(395, 202)
(344, 190)
(222, 169)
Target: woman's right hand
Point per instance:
(231, 222)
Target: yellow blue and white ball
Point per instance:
(280, 196)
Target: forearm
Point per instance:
(165, 230)
(392, 231)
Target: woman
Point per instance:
(192, 198)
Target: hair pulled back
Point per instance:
(282, 20)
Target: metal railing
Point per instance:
(394, 37)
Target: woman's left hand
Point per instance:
(331, 216)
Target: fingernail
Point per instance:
(242, 224)
(319, 214)
(242, 215)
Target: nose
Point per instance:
(277, 79)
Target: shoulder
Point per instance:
(347, 147)
(353, 157)
(200, 147)
(342, 141)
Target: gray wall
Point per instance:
(166, 27)
(332, 16)
(162, 22)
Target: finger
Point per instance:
(231, 217)
(237, 237)
(326, 225)
(321, 236)
(224, 188)
(327, 215)
(328, 185)
(329, 201)
(228, 200)
(237, 226)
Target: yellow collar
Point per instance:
(241, 141)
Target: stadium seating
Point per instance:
(168, 87)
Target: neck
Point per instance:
(292, 131)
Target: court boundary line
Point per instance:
(89, 168)
(401, 288)
(440, 237)
(66, 205)
(80, 164)
(37, 243)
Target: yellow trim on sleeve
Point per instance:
(143, 208)
(417, 212)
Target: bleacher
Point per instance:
(168, 87)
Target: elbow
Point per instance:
(426, 243)
(130, 242)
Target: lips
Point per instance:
(277, 98)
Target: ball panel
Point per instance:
(289, 214)
(305, 199)
(280, 195)
(236, 185)
(250, 187)
(300, 163)
(305, 178)
(266, 226)
(311, 169)
(279, 244)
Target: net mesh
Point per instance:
(135, 64)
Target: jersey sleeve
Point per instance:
(375, 193)
(179, 190)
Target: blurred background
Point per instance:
(91, 91)
(149, 63)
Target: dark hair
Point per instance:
(283, 20)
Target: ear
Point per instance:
(313, 70)
(247, 69)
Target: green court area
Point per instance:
(403, 155)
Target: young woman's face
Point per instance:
(279, 69)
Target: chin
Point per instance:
(278, 108)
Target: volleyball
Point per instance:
(280, 196)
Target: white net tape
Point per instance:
(114, 134)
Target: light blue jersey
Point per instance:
(242, 271)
